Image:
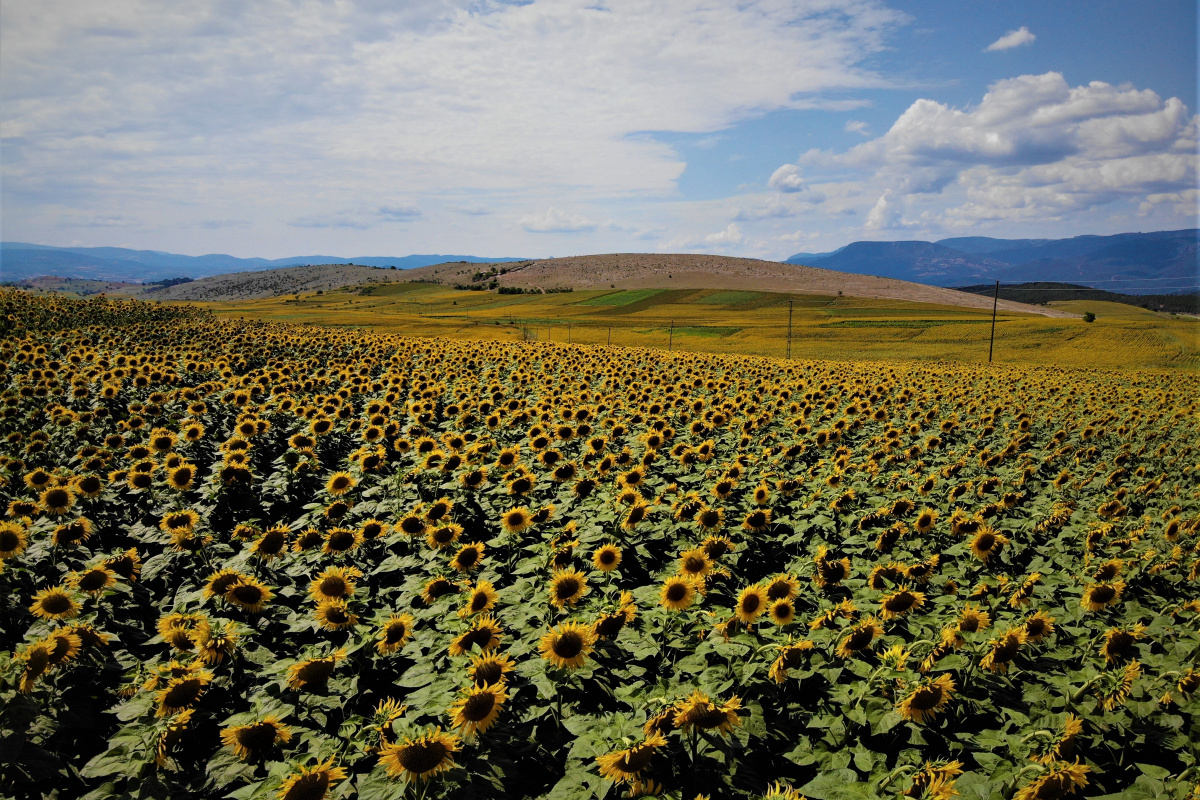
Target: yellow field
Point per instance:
(823, 327)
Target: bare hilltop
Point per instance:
(608, 271)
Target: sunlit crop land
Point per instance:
(261, 560)
(752, 323)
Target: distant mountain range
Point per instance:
(20, 261)
(1133, 263)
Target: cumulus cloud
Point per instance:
(731, 235)
(1012, 39)
(1033, 148)
(556, 220)
(857, 126)
(787, 179)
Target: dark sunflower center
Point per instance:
(440, 588)
(715, 549)
(247, 593)
(706, 716)
(1107, 572)
(635, 760)
(395, 632)
(637, 514)
(340, 483)
(751, 603)
(783, 611)
(833, 571)
(985, 542)
(478, 706)
(676, 592)
(1120, 642)
(970, 624)
(479, 601)
(57, 498)
(709, 518)
(316, 671)
(792, 657)
(221, 584)
(90, 484)
(900, 602)
(926, 697)
(1006, 650)
(412, 525)
(608, 557)
(516, 520)
(467, 557)
(568, 645)
(1102, 594)
(257, 737)
(521, 485)
(488, 673)
(272, 542)
(1035, 627)
(609, 626)
(309, 787)
(334, 586)
(566, 588)
(860, 639)
(924, 521)
(421, 756)
(341, 540)
(757, 519)
(337, 616)
(479, 636)
(9, 540)
(56, 604)
(694, 564)
(182, 694)
(777, 590)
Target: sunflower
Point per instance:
(443, 536)
(64, 646)
(256, 739)
(1118, 643)
(899, 603)
(1060, 779)
(412, 524)
(421, 758)
(212, 647)
(699, 712)
(439, 509)
(516, 520)
(1003, 649)
(468, 557)
(57, 500)
(478, 708)
(490, 668)
(482, 598)
(273, 543)
(1038, 626)
(313, 673)
(710, 519)
(249, 594)
(567, 587)
(94, 580)
(334, 615)
(716, 546)
(829, 573)
(925, 701)
(607, 557)
(308, 539)
(182, 693)
(566, 646)
(342, 540)
(181, 477)
(89, 486)
(610, 624)
(13, 539)
(791, 656)
(694, 563)
(678, 592)
(782, 612)
(987, 542)
(36, 660)
(438, 586)
(311, 783)
(757, 520)
(926, 520)
(783, 587)
(638, 512)
(394, 633)
(335, 583)
(627, 766)
(972, 619)
(216, 584)
(54, 603)
(1100, 595)
(484, 633)
(859, 638)
(179, 522)
(170, 736)
(751, 603)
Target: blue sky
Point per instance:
(555, 128)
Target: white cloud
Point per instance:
(1012, 39)
(277, 110)
(787, 179)
(731, 235)
(1034, 148)
(857, 126)
(555, 220)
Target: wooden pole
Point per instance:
(995, 302)
(671, 337)
(789, 329)
(610, 335)
(568, 333)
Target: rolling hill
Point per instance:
(1131, 263)
(609, 271)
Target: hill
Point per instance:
(22, 261)
(686, 271)
(1134, 263)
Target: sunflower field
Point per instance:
(254, 560)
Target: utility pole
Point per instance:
(995, 302)
(789, 338)
(671, 337)
(568, 333)
(610, 335)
